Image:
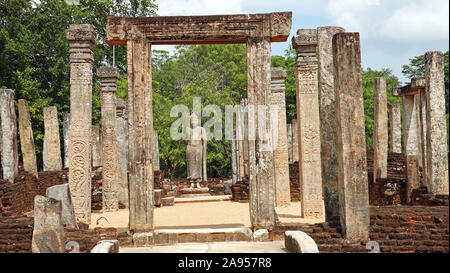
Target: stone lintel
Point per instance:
(418, 84)
(211, 29)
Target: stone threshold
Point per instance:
(201, 235)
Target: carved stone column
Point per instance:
(96, 144)
(436, 136)
(396, 128)
(328, 136)
(308, 122)
(81, 42)
(27, 139)
(10, 157)
(289, 136)
(261, 177)
(280, 154)
(122, 151)
(352, 161)
(108, 77)
(66, 130)
(294, 130)
(380, 130)
(140, 131)
(156, 152)
(52, 145)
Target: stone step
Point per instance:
(175, 236)
(203, 199)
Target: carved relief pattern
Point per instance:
(307, 79)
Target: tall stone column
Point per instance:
(52, 146)
(108, 77)
(27, 139)
(352, 161)
(122, 151)
(66, 130)
(242, 142)
(81, 40)
(418, 88)
(156, 152)
(140, 131)
(310, 165)
(328, 136)
(437, 151)
(260, 152)
(289, 136)
(423, 135)
(396, 128)
(96, 144)
(10, 159)
(380, 130)
(234, 159)
(294, 128)
(280, 153)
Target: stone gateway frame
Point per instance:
(138, 34)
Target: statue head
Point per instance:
(194, 120)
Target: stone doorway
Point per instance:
(257, 31)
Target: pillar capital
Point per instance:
(305, 44)
(107, 72)
(81, 40)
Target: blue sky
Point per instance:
(391, 31)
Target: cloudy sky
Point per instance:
(391, 31)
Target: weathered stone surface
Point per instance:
(96, 146)
(81, 40)
(328, 136)
(437, 150)
(423, 136)
(140, 132)
(156, 152)
(157, 197)
(66, 130)
(260, 235)
(261, 177)
(211, 29)
(299, 242)
(234, 159)
(52, 147)
(294, 130)
(122, 151)
(106, 246)
(289, 136)
(380, 130)
(168, 201)
(412, 172)
(108, 77)
(27, 139)
(396, 128)
(62, 193)
(143, 239)
(353, 184)
(280, 153)
(10, 158)
(310, 165)
(410, 131)
(48, 232)
(240, 134)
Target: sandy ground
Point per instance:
(213, 214)
(215, 247)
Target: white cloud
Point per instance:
(351, 14)
(427, 19)
(198, 7)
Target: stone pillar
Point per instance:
(352, 161)
(380, 130)
(234, 159)
(10, 158)
(294, 128)
(122, 151)
(81, 42)
(140, 131)
(289, 136)
(418, 88)
(66, 130)
(423, 136)
(396, 128)
(328, 136)
(96, 144)
(52, 147)
(27, 139)
(411, 142)
(242, 142)
(108, 77)
(156, 152)
(280, 153)
(1, 144)
(260, 152)
(436, 136)
(310, 165)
